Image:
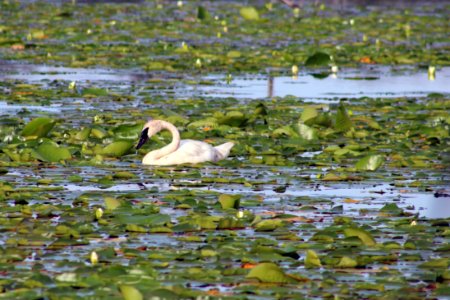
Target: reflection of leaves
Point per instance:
(249, 13)
(318, 59)
(370, 162)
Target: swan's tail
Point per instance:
(223, 150)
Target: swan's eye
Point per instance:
(143, 138)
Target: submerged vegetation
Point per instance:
(319, 199)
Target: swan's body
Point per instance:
(179, 151)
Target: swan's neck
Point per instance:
(173, 146)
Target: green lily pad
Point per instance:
(117, 149)
(269, 273)
(249, 13)
(312, 260)
(51, 152)
(306, 132)
(342, 122)
(229, 201)
(38, 127)
(347, 262)
(130, 293)
(318, 59)
(370, 162)
(363, 235)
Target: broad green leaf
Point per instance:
(83, 134)
(306, 132)
(391, 209)
(347, 262)
(95, 92)
(268, 225)
(117, 149)
(285, 130)
(318, 59)
(363, 235)
(435, 263)
(136, 228)
(112, 203)
(249, 13)
(152, 220)
(370, 162)
(229, 201)
(233, 118)
(230, 223)
(308, 113)
(202, 13)
(343, 122)
(312, 260)
(51, 152)
(38, 127)
(269, 273)
(130, 293)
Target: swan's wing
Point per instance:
(197, 151)
(189, 152)
(223, 150)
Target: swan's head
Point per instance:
(150, 128)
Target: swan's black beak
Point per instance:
(143, 138)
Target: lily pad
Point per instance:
(370, 162)
(117, 149)
(362, 234)
(249, 13)
(269, 273)
(51, 152)
(38, 127)
(318, 59)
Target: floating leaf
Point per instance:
(318, 59)
(112, 203)
(268, 225)
(343, 122)
(202, 13)
(38, 127)
(308, 113)
(152, 220)
(269, 273)
(117, 149)
(370, 162)
(130, 293)
(51, 152)
(363, 235)
(435, 263)
(95, 92)
(306, 132)
(312, 260)
(229, 201)
(249, 13)
(347, 262)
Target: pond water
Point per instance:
(348, 83)
(373, 82)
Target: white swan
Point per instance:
(179, 151)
